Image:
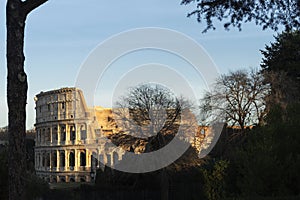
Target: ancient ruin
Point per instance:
(70, 142)
(72, 138)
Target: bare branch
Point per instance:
(237, 98)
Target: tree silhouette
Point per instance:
(16, 14)
(268, 14)
(153, 113)
(148, 110)
(281, 66)
(237, 98)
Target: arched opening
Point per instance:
(54, 133)
(72, 180)
(43, 136)
(72, 160)
(54, 159)
(62, 159)
(62, 179)
(82, 159)
(63, 133)
(48, 159)
(72, 133)
(47, 135)
(43, 160)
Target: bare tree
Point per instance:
(237, 99)
(16, 14)
(149, 111)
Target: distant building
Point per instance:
(70, 144)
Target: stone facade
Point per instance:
(70, 141)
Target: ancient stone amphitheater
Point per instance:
(70, 139)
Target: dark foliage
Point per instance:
(281, 65)
(268, 14)
(268, 162)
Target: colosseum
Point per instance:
(70, 139)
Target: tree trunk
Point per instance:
(16, 98)
(16, 13)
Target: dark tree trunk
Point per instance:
(16, 12)
(16, 98)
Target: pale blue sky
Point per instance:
(61, 33)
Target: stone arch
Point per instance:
(47, 159)
(47, 135)
(62, 133)
(54, 159)
(43, 135)
(72, 132)
(62, 159)
(54, 133)
(43, 160)
(72, 160)
(62, 179)
(83, 158)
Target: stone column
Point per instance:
(77, 159)
(77, 132)
(67, 134)
(58, 134)
(42, 136)
(67, 160)
(51, 136)
(57, 160)
(88, 158)
(50, 159)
